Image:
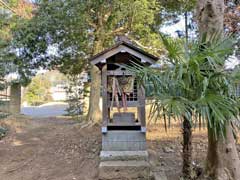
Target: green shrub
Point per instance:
(3, 132)
(38, 91)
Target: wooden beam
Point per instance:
(119, 49)
(105, 113)
(129, 104)
(119, 73)
(141, 108)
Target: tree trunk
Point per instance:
(210, 14)
(187, 149)
(94, 112)
(222, 159)
(15, 98)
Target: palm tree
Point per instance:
(193, 88)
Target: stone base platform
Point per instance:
(124, 141)
(124, 165)
(124, 170)
(124, 156)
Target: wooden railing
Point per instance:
(4, 97)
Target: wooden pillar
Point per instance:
(105, 112)
(141, 108)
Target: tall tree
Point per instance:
(222, 158)
(64, 34)
(12, 12)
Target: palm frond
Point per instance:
(196, 86)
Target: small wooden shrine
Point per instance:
(123, 103)
(127, 93)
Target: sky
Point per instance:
(171, 29)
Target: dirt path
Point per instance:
(49, 149)
(46, 110)
(60, 149)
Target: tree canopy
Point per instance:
(63, 34)
(12, 13)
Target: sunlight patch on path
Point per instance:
(17, 142)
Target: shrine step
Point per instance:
(124, 118)
(120, 170)
(124, 155)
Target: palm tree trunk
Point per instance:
(222, 159)
(187, 149)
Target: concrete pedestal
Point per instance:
(124, 165)
(124, 156)
(124, 141)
